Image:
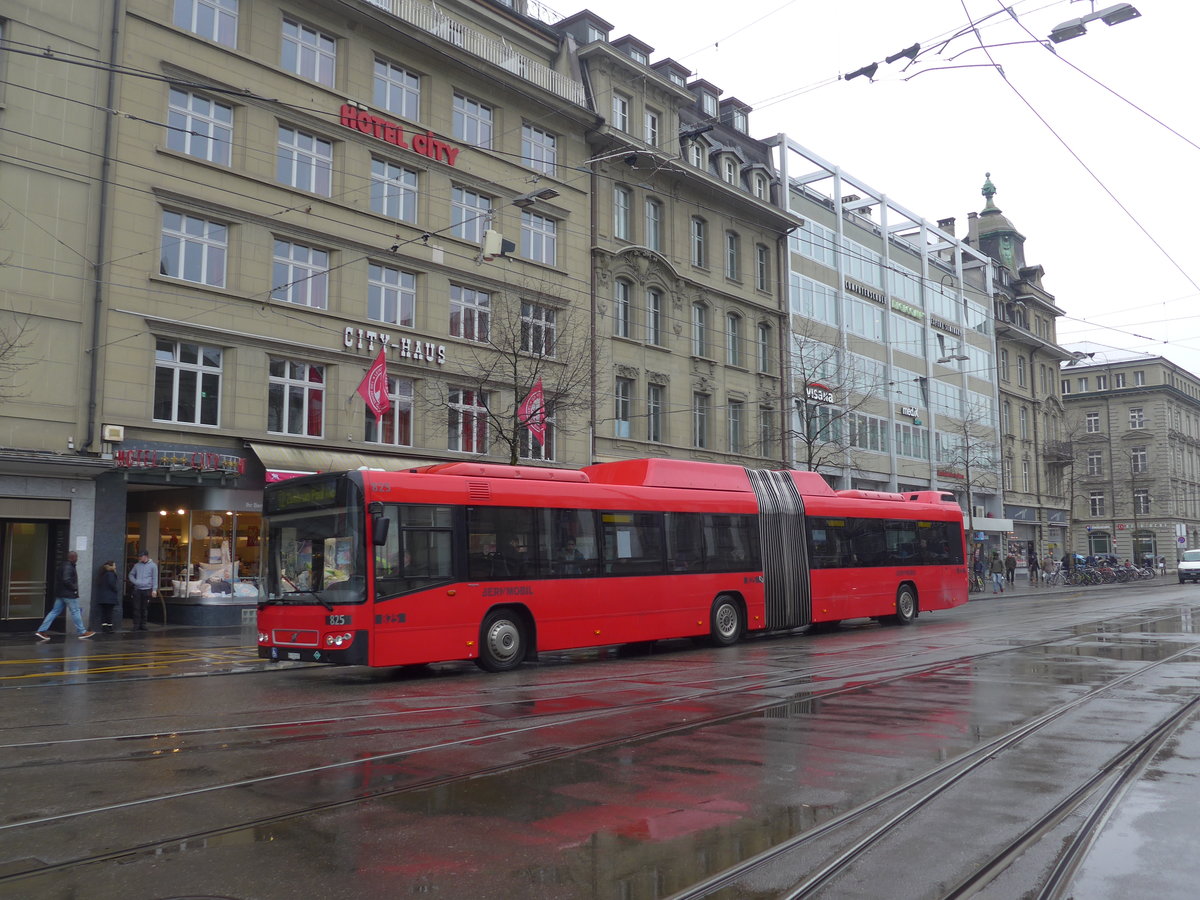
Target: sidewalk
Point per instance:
(1023, 588)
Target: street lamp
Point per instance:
(1113, 15)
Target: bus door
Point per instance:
(784, 549)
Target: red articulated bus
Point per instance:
(494, 563)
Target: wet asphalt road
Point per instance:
(964, 755)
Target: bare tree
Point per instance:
(16, 337)
(832, 388)
(523, 340)
(969, 450)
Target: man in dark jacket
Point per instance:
(66, 596)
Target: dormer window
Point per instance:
(696, 154)
(708, 102)
(595, 34)
(729, 170)
(760, 186)
(740, 121)
(638, 56)
(676, 78)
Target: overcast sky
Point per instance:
(1131, 263)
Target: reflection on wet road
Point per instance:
(866, 762)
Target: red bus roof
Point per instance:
(692, 475)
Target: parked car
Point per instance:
(1189, 566)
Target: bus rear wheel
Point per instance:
(502, 641)
(906, 605)
(727, 622)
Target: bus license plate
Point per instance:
(293, 656)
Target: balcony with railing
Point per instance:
(430, 19)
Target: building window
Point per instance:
(296, 398)
(736, 414)
(187, 383)
(538, 329)
(1007, 474)
(622, 407)
(1025, 475)
(1138, 462)
(1020, 370)
(766, 430)
(199, 127)
(470, 313)
(308, 53)
(1141, 501)
(1066, 385)
(741, 121)
(733, 339)
(1095, 462)
(700, 412)
(300, 274)
(622, 312)
(393, 190)
(1023, 419)
(760, 187)
(214, 20)
(654, 412)
(620, 112)
(695, 154)
(708, 103)
(762, 267)
(1137, 418)
(654, 223)
(539, 149)
(467, 426)
(305, 161)
(539, 238)
(1139, 379)
(397, 90)
(395, 425)
(699, 249)
(651, 133)
(1083, 385)
(193, 249)
(654, 314)
(472, 121)
(733, 255)
(391, 295)
(1003, 364)
(699, 329)
(1091, 422)
(469, 214)
(1102, 382)
(1044, 373)
(729, 171)
(1119, 380)
(1006, 417)
(764, 347)
(622, 211)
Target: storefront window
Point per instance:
(208, 554)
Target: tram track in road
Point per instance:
(533, 723)
(1108, 783)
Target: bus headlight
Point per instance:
(263, 637)
(338, 640)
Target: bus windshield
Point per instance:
(316, 554)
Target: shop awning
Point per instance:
(982, 523)
(287, 462)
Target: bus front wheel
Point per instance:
(501, 641)
(727, 622)
(906, 605)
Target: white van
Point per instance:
(1189, 566)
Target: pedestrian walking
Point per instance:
(1162, 565)
(108, 587)
(1047, 568)
(144, 578)
(1010, 568)
(997, 569)
(66, 596)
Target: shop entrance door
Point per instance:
(23, 569)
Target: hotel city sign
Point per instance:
(358, 119)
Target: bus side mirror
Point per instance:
(379, 530)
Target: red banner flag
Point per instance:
(532, 412)
(374, 387)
